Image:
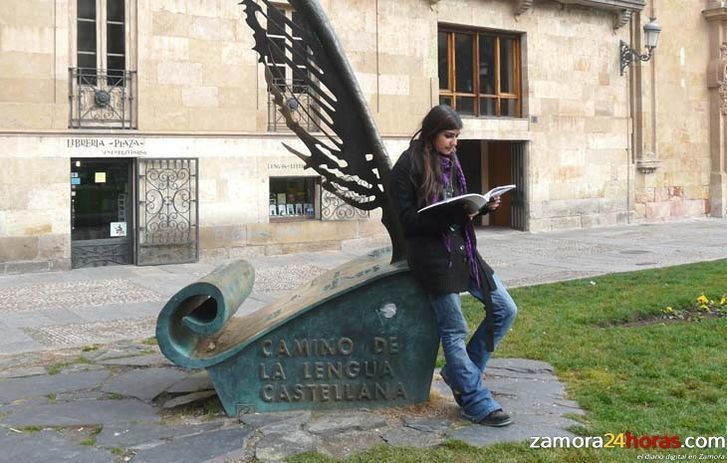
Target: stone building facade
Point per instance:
(137, 131)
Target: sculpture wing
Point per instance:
(344, 146)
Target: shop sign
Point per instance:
(107, 146)
(286, 166)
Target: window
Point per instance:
(287, 64)
(283, 59)
(479, 72)
(102, 87)
(294, 198)
(101, 39)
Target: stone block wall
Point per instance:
(33, 64)
(676, 115)
(197, 72)
(575, 110)
(202, 94)
(34, 215)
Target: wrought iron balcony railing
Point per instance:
(101, 99)
(297, 99)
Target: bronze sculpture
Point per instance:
(360, 335)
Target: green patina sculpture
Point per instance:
(361, 335)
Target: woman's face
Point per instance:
(446, 141)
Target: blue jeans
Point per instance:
(465, 363)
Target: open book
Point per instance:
(472, 202)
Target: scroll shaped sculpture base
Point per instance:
(361, 335)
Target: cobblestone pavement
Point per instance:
(85, 306)
(125, 402)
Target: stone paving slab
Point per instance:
(482, 436)
(275, 447)
(78, 413)
(143, 383)
(222, 445)
(118, 350)
(137, 435)
(409, 437)
(23, 372)
(21, 346)
(14, 334)
(291, 423)
(276, 421)
(48, 447)
(188, 399)
(329, 424)
(148, 360)
(350, 443)
(427, 424)
(197, 381)
(38, 386)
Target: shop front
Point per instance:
(102, 228)
(133, 211)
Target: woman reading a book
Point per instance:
(443, 257)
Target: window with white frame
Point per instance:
(101, 37)
(289, 71)
(103, 83)
(280, 32)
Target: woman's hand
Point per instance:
(489, 207)
(493, 204)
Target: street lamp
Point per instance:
(629, 55)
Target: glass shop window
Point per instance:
(294, 198)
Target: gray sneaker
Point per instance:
(496, 419)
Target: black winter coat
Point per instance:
(427, 255)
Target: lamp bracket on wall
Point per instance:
(629, 55)
(651, 36)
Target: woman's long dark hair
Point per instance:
(424, 155)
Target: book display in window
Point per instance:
(293, 197)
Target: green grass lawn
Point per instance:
(656, 378)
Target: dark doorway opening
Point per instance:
(102, 228)
(469, 153)
(490, 163)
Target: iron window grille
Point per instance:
(101, 99)
(297, 100)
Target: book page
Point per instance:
(499, 191)
(470, 201)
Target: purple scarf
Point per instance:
(447, 163)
